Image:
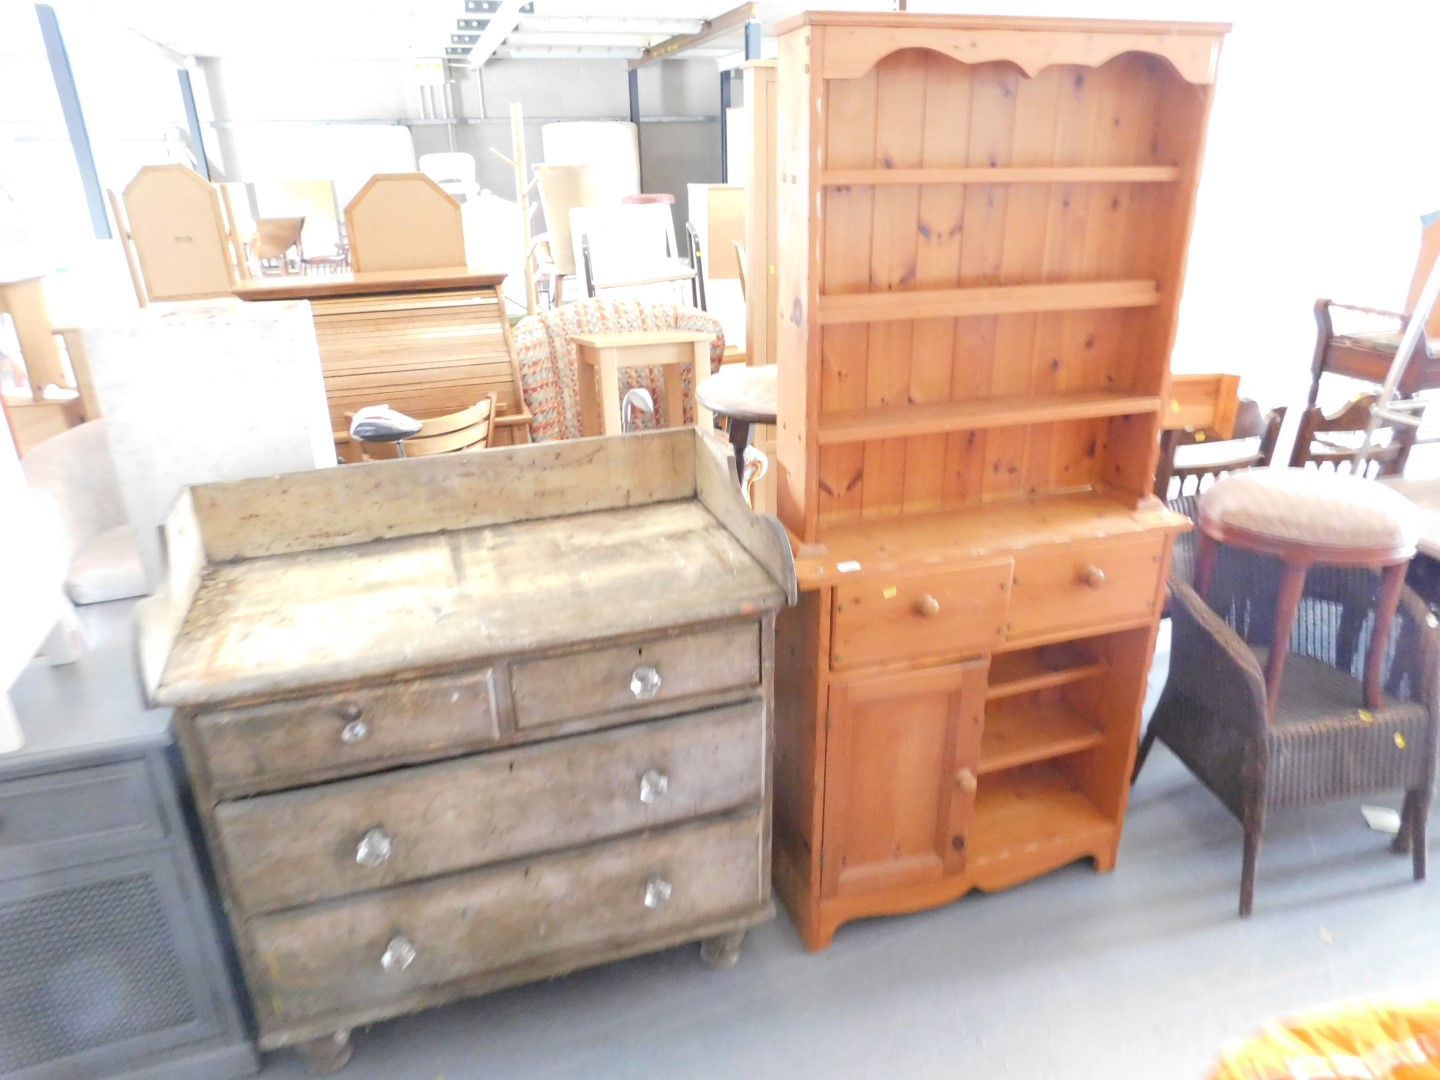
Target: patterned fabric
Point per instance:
(549, 375)
(1308, 506)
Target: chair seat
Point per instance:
(1324, 744)
(1310, 507)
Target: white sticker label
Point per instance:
(847, 567)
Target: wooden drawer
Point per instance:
(278, 745)
(599, 681)
(301, 846)
(1085, 586)
(333, 957)
(940, 613)
(113, 805)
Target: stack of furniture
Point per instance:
(987, 222)
(461, 722)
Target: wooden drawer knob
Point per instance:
(1092, 576)
(966, 781)
(927, 606)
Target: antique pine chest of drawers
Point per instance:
(462, 722)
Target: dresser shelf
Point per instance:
(1033, 812)
(1028, 670)
(1006, 174)
(903, 421)
(902, 305)
(1022, 732)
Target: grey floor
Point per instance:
(1141, 973)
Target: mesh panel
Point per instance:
(86, 967)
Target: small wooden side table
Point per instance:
(744, 396)
(601, 357)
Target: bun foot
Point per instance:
(326, 1055)
(723, 951)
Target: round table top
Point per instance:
(741, 392)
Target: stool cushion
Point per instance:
(1308, 506)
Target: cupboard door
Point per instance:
(901, 756)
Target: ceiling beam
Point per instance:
(721, 24)
(502, 22)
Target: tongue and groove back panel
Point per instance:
(988, 303)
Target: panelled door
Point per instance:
(900, 765)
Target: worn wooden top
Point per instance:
(310, 580)
(742, 391)
(267, 626)
(366, 283)
(867, 548)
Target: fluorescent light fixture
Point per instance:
(560, 24)
(520, 40)
(569, 52)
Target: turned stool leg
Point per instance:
(1292, 585)
(1205, 549)
(1385, 606)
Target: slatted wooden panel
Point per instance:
(423, 353)
(918, 110)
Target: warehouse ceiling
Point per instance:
(462, 31)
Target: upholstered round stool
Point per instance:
(1304, 517)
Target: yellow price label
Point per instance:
(890, 592)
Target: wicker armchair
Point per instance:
(1323, 745)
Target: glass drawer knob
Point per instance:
(354, 731)
(374, 848)
(398, 955)
(644, 682)
(657, 892)
(653, 784)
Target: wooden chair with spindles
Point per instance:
(1328, 440)
(467, 429)
(1193, 458)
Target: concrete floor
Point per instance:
(1141, 974)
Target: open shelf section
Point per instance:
(903, 421)
(1033, 812)
(1022, 731)
(1005, 174)
(1027, 670)
(906, 304)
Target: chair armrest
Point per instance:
(1210, 662)
(1365, 310)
